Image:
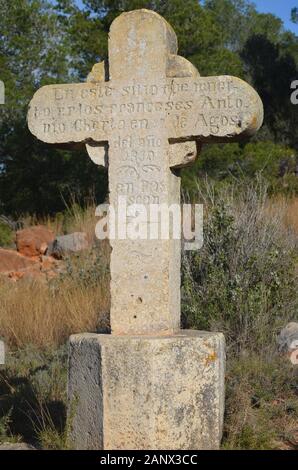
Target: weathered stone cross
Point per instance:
(148, 117)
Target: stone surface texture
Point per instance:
(288, 342)
(146, 392)
(287, 336)
(16, 446)
(66, 244)
(15, 266)
(11, 260)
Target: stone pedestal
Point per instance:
(146, 392)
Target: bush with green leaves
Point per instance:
(87, 269)
(242, 282)
(33, 396)
(261, 403)
(277, 163)
(5, 234)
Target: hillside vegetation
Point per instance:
(243, 282)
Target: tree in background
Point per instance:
(294, 15)
(35, 51)
(45, 42)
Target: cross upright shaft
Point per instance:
(145, 274)
(152, 112)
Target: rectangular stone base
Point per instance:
(146, 392)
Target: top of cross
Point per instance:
(143, 66)
(141, 43)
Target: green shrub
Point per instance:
(33, 395)
(6, 235)
(225, 162)
(242, 281)
(88, 268)
(261, 403)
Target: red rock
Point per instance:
(11, 261)
(34, 241)
(16, 267)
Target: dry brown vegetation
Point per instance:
(241, 283)
(34, 313)
(73, 219)
(44, 315)
(288, 207)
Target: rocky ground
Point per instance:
(16, 446)
(38, 254)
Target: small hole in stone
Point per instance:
(135, 316)
(145, 277)
(140, 300)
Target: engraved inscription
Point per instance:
(190, 106)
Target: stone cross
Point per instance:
(145, 114)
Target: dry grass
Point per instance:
(288, 207)
(255, 300)
(243, 282)
(261, 405)
(73, 219)
(46, 314)
(33, 313)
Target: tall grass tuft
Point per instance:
(46, 314)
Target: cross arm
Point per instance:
(204, 109)
(98, 152)
(215, 109)
(72, 113)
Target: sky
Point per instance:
(280, 8)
